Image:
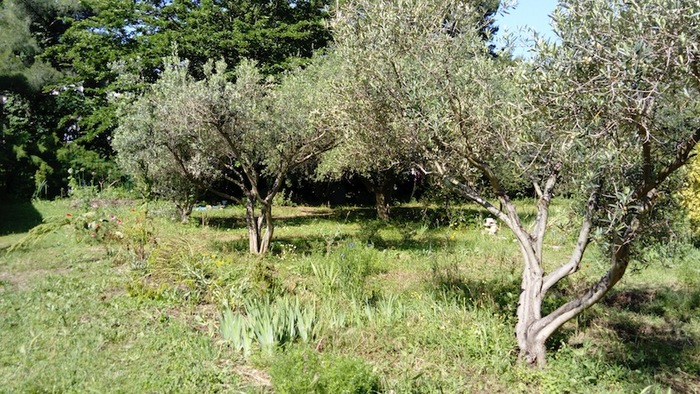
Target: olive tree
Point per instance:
(613, 109)
(143, 156)
(373, 146)
(238, 140)
(622, 92)
(368, 145)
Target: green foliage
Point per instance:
(284, 199)
(144, 157)
(174, 270)
(27, 161)
(574, 368)
(97, 34)
(639, 114)
(88, 168)
(264, 281)
(269, 323)
(60, 54)
(31, 116)
(370, 232)
(273, 34)
(250, 134)
(26, 28)
(126, 236)
(345, 270)
(613, 108)
(38, 232)
(300, 370)
(690, 193)
(689, 270)
(70, 324)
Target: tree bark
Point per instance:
(383, 189)
(184, 210)
(532, 329)
(539, 330)
(252, 224)
(266, 220)
(382, 204)
(260, 226)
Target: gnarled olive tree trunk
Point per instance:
(382, 187)
(260, 225)
(533, 328)
(184, 210)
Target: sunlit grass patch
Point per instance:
(408, 306)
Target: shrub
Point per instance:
(176, 270)
(124, 235)
(690, 194)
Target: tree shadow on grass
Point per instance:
(238, 221)
(653, 327)
(297, 245)
(431, 217)
(447, 283)
(305, 245)
(18, 217)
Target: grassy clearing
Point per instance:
(343, 304)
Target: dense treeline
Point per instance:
(60, 64)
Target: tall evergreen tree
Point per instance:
(29, 114)
(278, 35)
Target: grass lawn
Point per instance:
(342, 304)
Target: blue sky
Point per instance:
(527, 14)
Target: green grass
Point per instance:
(423, 304)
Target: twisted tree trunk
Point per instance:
(260, 226)
(383, 189)
(532, 328)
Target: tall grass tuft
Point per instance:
(344, 271)
(268, 323)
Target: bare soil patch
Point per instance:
(22, 280)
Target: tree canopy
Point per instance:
(248, 134)
(612, 109)
(608, 115)
(65, 49)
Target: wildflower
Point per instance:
(69, 215)
(119, 221)
(112, 217)
(93, 235)
(352, 244)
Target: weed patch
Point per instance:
(300, 370)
